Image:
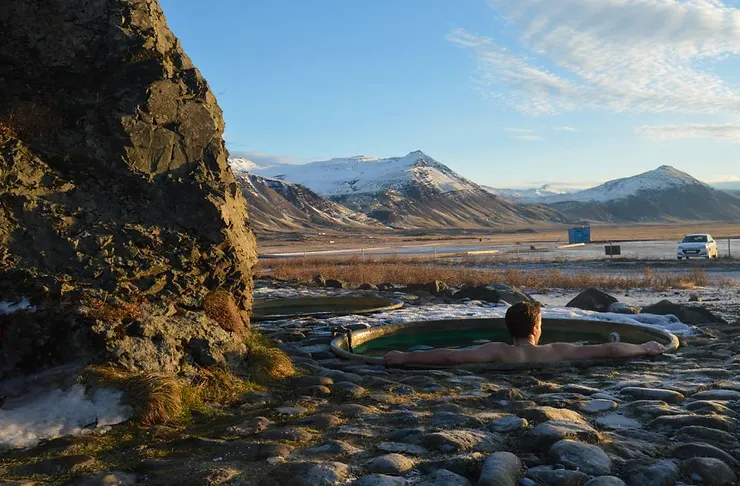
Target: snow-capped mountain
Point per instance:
(528, 195)
(663, 194)
(280, 206)
(363, 175)
(664, 177)
(414, 191)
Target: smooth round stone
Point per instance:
(615, 421)
(291, 411)
(308, 380)
(678, 421)
(444, 477)
(452, 420)
(309, 473)
(379, 480)
(668, 396)
(353, 410)
(462, 440)
(697, 449)
(648, 471)
(547, 433)
(526, 482)
(605, 481)
(709, 471)
(709, 406)
(717, 395)
(542, 414)
(412, 449)
(292, 434)
(509, 423)
(500, 469)
(718, 438)
(549, 475)
(348, 390)
(332, 448)
(581, 457)
(604, 396)
(390, 464)
(597, 406)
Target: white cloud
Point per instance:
(565, 129)
(528, 138)
(640, 56)
(720, 133)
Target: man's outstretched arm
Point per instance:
(571, 352)
(487, 353)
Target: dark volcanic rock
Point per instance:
(114, 175)
(592, 299)
(685, 313)
(437, 288)
(496, 292)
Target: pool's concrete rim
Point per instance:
(334, 304)
(634, 332)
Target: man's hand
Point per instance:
(653, 349)
(394, 358)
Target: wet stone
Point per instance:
(363, 431)
(668, 396)
(406, 435)
(597, 406)
(709, 406)
(308, 380)
(418, 380)
(652, 408)
(698, 449)
(717, 395)
(718, 438)
(560, 477)
(582, 389)
(382, 398)
(462, 440)
(390, 464)
(338, 376)
(615, 421)
(468, 465)
(379, 480)
(411, 449)
(443, 477)
(659, 473)
(547, 433)
(508, 423)
(314, 391)
(581, 457)
(500, 469)
(405, 417)
(605, 481)
(332, 448)
(452, 420)
(709, 471)
(678, 421)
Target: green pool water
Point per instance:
(418, 340)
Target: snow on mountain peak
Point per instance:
(664, 177)
(361, 174)
(240, 164)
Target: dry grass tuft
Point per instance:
(220, 386)
(265, 362)
(30, 121)
(221, 306)
(156, 398)
(408, 271)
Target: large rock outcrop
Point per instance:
(113, 171)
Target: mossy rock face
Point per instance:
(113, 171)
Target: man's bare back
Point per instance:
(524, 323)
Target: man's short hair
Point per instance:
(521, 319)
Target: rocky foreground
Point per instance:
(661, 421)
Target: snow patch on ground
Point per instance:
(56, 413)
(11, 307)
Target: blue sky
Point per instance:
(506, 92)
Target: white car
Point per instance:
(699, 245)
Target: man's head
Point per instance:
(524, 320)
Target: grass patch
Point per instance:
(358, 270)
(265, 362)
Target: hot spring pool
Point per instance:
(369, 345)
(287, 308)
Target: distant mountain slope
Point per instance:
(530, 195)
(414, 191)
(663, 194)
(662, 178)
(280, 206)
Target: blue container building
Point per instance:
(581, 234)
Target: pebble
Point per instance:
(379, 480)
(698, 449)
(390, 464)
(462, 440)
(717, 395)
(581, 457)
(500, 469)
(359, 431)
(452, 420)
(307, 473)
(709, 471)
(678, 421)
(542, 414)
(651, 472)
(668, 396)
(113, 478)
(615, 421)
(508, 423)
(347, 390)
(289, 433)
(443, 477)
(333, 448)
(560, 477)
(697, 433)
(547, 433)
(353, 410)
(597, 406)
(605, 481)
(291, 411)
(412, 449)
